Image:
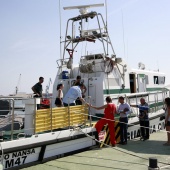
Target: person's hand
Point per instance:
(126, 110)
(88, 104)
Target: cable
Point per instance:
(125, 123)
(79, 129)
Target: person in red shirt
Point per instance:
(109, 111)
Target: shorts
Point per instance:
(168, 123)
(58, 102)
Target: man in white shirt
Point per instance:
(73, 93)
(123, 110)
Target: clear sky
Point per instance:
(29, 37)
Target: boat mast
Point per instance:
(106, 26)
(60, 29)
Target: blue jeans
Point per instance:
(123, 129)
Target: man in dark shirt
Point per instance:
(37, 89)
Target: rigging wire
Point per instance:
(60, 29)
(106, 26)
(123, 32)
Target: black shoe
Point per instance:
(145, 139)
(124, 143)
(141, 138)
(121, 143)
(113, 145)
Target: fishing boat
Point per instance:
(54, 132)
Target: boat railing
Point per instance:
(46, 119)
(53, 119)
(61, 62)
(2, 156)
(8, 119)
(155, 100)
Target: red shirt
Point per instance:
(110, 110)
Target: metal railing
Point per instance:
(10, 115)
(155, 100)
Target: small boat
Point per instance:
(54, 132)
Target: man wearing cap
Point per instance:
(123, 110)
(73, 93)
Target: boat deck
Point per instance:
(134, 155)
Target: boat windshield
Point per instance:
(93, 57)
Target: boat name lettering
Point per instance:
(23, 153)
(17, 158)
(15, 162)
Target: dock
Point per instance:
(135, 155)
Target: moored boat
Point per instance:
(52, 132)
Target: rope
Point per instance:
(79, 129)
(124, 122)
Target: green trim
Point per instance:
(155, 89)
(141, 75)
(116, 91)
(119, 91)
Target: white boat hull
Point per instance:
(43, 147)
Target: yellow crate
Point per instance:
(59, 117)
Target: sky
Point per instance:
(30, 37)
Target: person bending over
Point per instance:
(73, 93)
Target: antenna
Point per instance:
(17, 87)
(141, 66)
(83, 8)
(158, 65)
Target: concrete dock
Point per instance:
(133, 156)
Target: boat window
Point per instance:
(155, 79)
(146, 79)
(92, 57)
(161, 80)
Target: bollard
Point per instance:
(153, 164)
